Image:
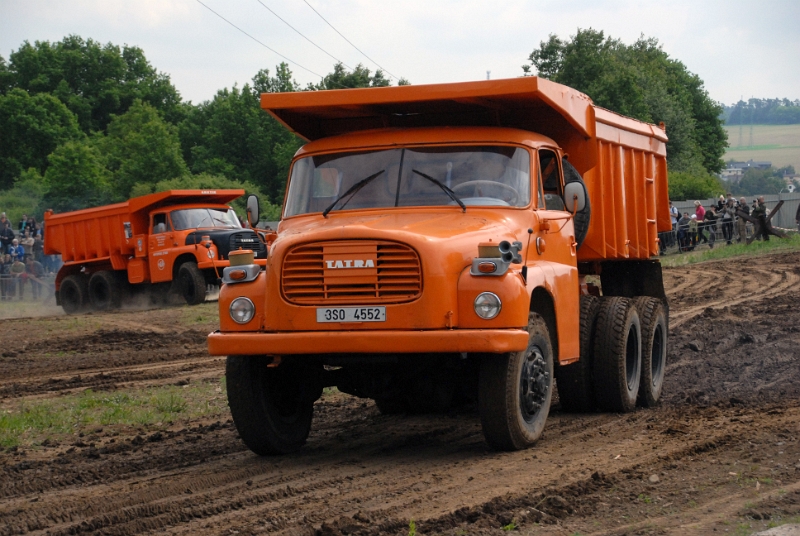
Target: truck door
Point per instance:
(560, 254)
(162, 244)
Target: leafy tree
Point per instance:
(758, 182)
(282, 82)
(95, 81)
(640, 81)
(75, 178)
(340, 78)
(695, 184)
(763, 112)
(232, 136)
(25, 197)
(32, 127)
(140, 148)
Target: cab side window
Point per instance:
(161, 223)
(550, 178)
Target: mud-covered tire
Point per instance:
(582, 217)
(272, 408)
(105, 291)
(191, 284)
(575, 383)
(617, 355)
(653, 317)
(74, 294)
(515, 390)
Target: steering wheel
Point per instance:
(512, 200)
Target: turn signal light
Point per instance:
(487, 267)
(237, 274)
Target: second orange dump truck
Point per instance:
(170, 243)
(440, 244)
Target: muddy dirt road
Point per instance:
(719, 455)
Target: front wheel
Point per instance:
(271, 407)
(191, 284)
(515, 389)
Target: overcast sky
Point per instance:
(740, 48)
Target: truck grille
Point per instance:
(354, 271)
(247, 240)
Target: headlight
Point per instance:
(242, 310)
(487, 305)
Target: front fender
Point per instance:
(509, 287)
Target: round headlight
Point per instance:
(487, 305)
(242, 310)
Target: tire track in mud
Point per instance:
(739, 282)
(108, 378)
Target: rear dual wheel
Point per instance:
(105, 291)
(617, 354)
(74, 293)
(654, 349)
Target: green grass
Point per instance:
(723, 251)
(200, 314)
(30, 423)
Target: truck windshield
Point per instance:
(197, 218)
(477, 175)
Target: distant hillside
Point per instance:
(780, 144)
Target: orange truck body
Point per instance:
(124, 238)
(417, 261)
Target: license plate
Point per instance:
(351, 314)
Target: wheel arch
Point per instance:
(543, 304)
(182, 259)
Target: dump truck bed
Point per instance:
(622, 160)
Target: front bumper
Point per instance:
(381, 341)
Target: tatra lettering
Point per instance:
(358, 263)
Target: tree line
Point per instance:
(763, 112)
(85, 123)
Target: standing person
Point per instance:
(728, 213)
(720, 204)
(23, 224)
(683, 232)
(760, 213)
(700, 212)
(38, 249)
(692, 232)
(35, 272)
(711, 225)
(27, 242)
(18, 276)
(674, 215)
(741, 223)
(6, 237)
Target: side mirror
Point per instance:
(252, 211)
(571, 191)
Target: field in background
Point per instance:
(779, 144)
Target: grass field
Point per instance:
(779, 144)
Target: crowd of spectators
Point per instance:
(718, 221)
(23, 263)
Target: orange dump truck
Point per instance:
(483, 242)
(174, 242)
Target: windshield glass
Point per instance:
(483, 175)
(196, 218)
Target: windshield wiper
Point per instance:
(444, 188)
(352, 191)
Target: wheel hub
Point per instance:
(534, 383)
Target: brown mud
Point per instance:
(720, 454)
